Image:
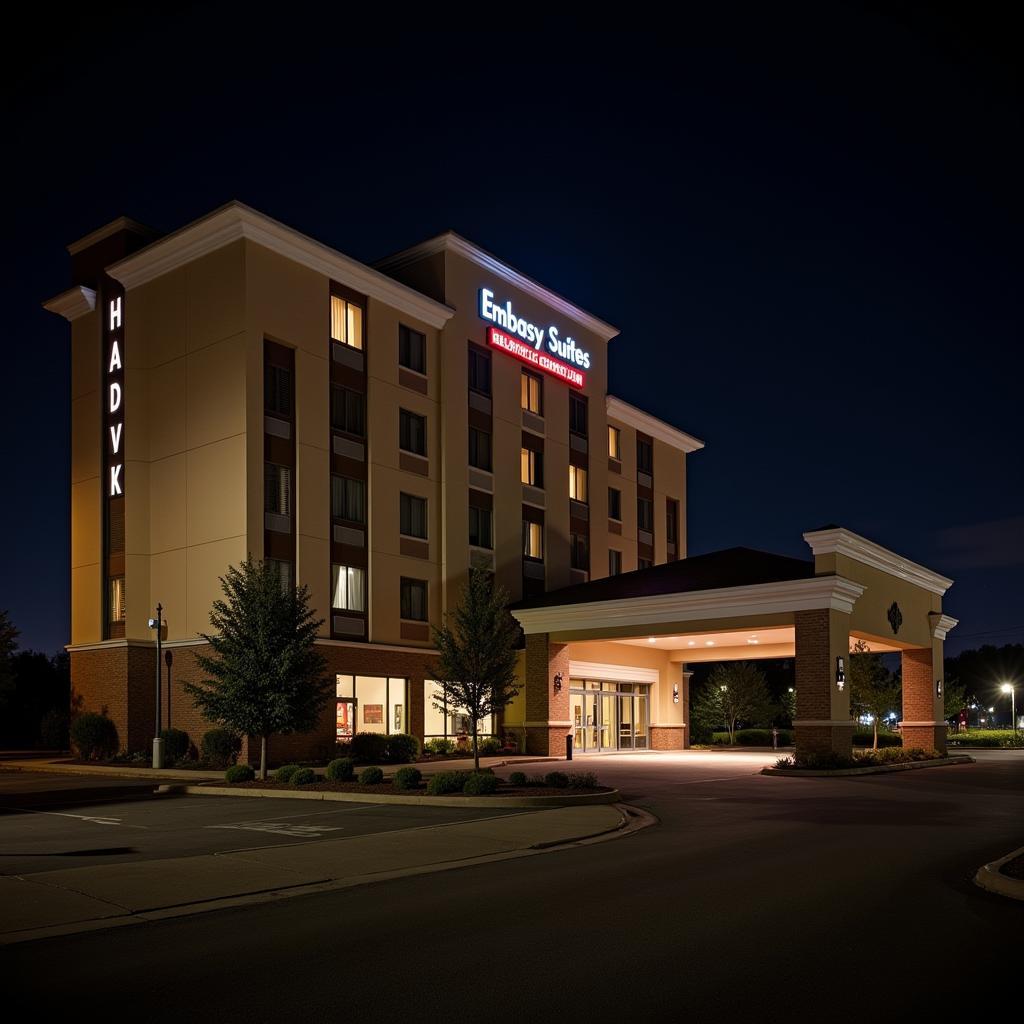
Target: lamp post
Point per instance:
(1008, 688)
(158, 743)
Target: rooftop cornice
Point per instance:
(837, 540)
(237, 221)
(622, 411)
(73, 303)
(451, 242)
(120, 224)
(942, 624)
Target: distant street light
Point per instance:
(1008, 688)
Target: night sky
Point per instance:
(807, 228)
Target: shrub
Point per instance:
(480, 784)
(535, 781)
(753, 738)
(371, 777)
(53, 730)
(866, 738)
(369, 747)
(582, 780)
(94, 736)
(556, 780)
(407, 778)
(447, 782)
(286, 773)
(175, 744)
(401, 748)
(240, 773)
(340, 770)
(517, 778)
(221, 747)
(489, 746)
(823, 762)
(303, 777)
(785, 762)
(439, 745)
(986, 738)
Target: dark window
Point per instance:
(614, 503)
(412, 349)
(671, 520)
(644, 457)
(348, 499)
(481, 527)
(479, 370)
(412, 432)
(479, 449)
(643, 563)
(644, 514)
(579, 551)
(614, 562)
(578, 415)
(277, 489)
(348, 411)
(414, 599)
(283, 570)
(277, 390)
(413, 516)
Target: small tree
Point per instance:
(476, 667)
(736, 691)
(874, 690)
(954, 699)
(265, 673)
(8, 645)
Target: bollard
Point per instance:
(568, 747)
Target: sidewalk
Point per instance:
(82, 899)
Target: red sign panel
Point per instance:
(497, 338)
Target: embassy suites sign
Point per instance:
(115, 398)
(541, 347)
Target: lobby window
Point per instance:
(413, 516)
(413, 599)
(644, 456)
(481, 527)
(277, 390)
(277, 493)
(531, 467)
(283, 570)
(412, 432)
(579, 551)
(578, 483)
(532, 390)
(614, 504)
(118, 607)
(412, 349)
(370, 704)
(614, 443)
(348, 588)
(479, 370)
(578, 415)
(644, 514)
(533, 540)
(346, 322)
(614, 562)
(671, 520)
(479, 449)
(348, 499)
(348, 411)
(441, 719)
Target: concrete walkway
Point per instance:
(80, 899)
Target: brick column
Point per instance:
(547, 712)
(923, 724)
(822, 724)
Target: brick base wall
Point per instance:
(824, 739)
(667, 737)
(927, 737)
(546, 741)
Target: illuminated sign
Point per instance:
(115, 399)
(542, 347)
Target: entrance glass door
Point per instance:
(609, 715)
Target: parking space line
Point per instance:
(95, 819)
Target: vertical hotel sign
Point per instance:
(114, 395)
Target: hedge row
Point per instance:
(753, 738)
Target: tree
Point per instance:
(476, 645)
(874, 690)
(735, 692)
(8, 645)
(954, 699)
(265, 674)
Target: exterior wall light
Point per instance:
(675, 693)
(558, 682)
(938, 687)
(840, 672)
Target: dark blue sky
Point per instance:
(807, 226)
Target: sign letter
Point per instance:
(115, 480)
(115, 313)
(115, 357)
(115, 396)
(115, 437)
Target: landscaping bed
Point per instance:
(1014, 868)
(387, 788)
(990, 738)
(889, 759)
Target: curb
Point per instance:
(991, 878)
(494, 803)
(879, 769)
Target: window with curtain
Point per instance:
(614, 562)
(346, 322)
(118, 606)
(479, 370)
(277, 494)
(348, 499)
(277, 390)
(283, 570)
(412, 432)
(481, 525)
(644, 514)
(348, 411)
(644, 456)
(614, 443)
(578, 483)
(412, 349)
(413, 516)
(531, 466)
(348, 588)
(479, 449)
(578, 415)
(533, 540)
(413, 599)
(530, 398)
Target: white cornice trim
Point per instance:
(601, 672)
(73, 303)
(236, 221)
(942, 624)
(636, 418)
(451, 242)
(843, 542)
(728, 602)
(120, 224)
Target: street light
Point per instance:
(1008, 688)
(158, 743)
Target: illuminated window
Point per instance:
(348, 499)
(348, 588)
(277, 494)
(531, 467)
(578, 483)
(530, 398)
(614, 504)
(533, 540)
(412, 432)
(614, 443)
(413, 599)
(118, 607)
(412, 349)
(346, 322)
(413, 516)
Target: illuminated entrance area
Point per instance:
(609, 715)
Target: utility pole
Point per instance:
(158, 743)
